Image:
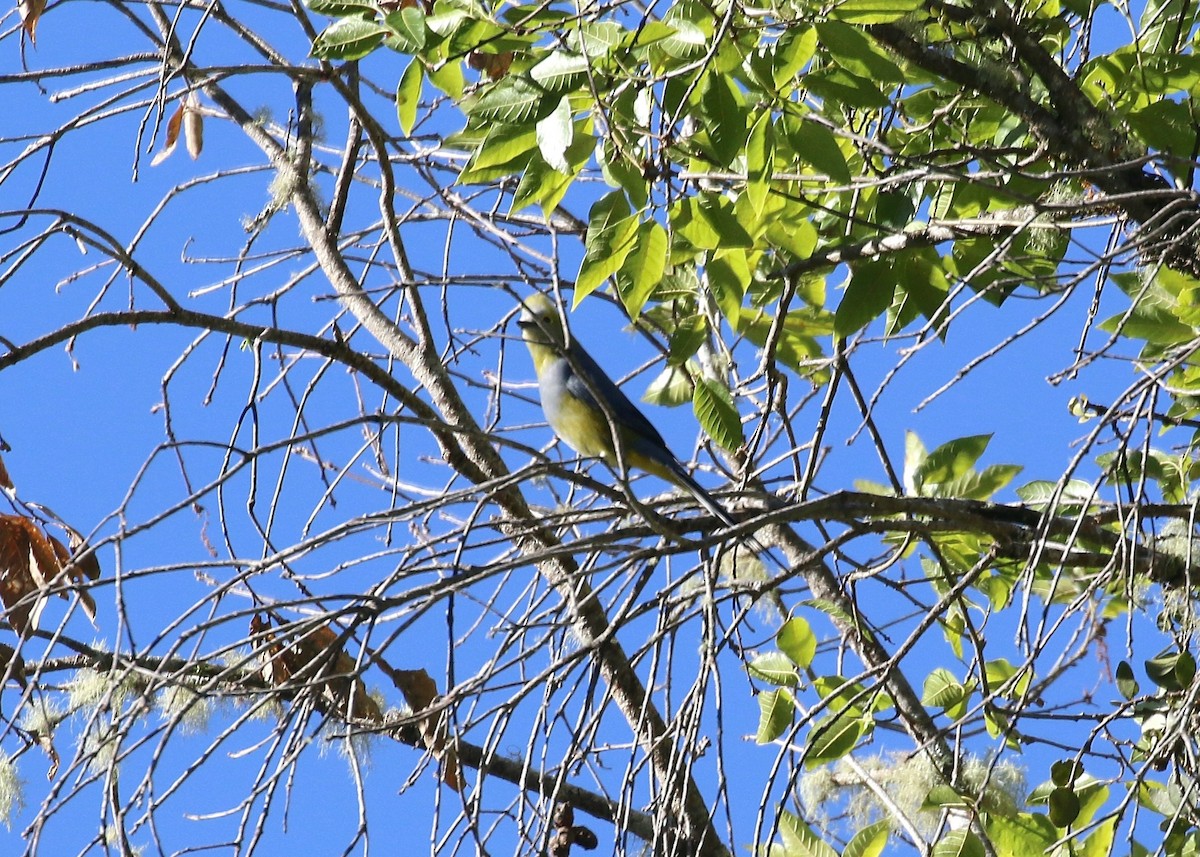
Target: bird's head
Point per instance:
(540, 323)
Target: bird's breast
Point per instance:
(581, 425)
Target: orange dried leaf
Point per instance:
(173, 126)
(495, 66)
(5, 481)
(317, 655)
(30, 562)
(420, 692)
(31, 11)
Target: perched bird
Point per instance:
(589, 412)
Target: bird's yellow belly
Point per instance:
(583, 428)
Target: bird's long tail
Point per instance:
(684, 480)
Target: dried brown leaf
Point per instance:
(173, 126)
(318, 655)
(31, 12)
(495, 66)
(30, 562)
(420, 692)
(5, 480)
(193, 126)
(13, 665)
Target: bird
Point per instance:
(590, 413)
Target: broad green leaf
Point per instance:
(554, 134)
(834, 736)
(685, 41)
(959, 843)
(775, 711)
(793, 52)
(816, 145)
(796, 640)
(644, 268)
(943, 690)
(868, 294)
(348, 39)
(717, 415)
(1126, 682)
(689, 334)
(760, 161)
(725, 120)
(341, 8)
(707, 221)
(611, 235)
(870, 841)
(952, 459)
(1021, 836)
(1166, 23)
(448, 77)
(596, 39)
(1042, 493)
(863, 12)
(1172, 672)
(671, 388)
(728, 275)
(408, 94)
(408, 29)
(1063, 806)
(799, 839)
(513, 100)
(1100, 842)
(854, 52)
(775, 668)
(561, 71)
(914, 460)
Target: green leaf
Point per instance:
(1064, 806)
(342, 8)
(870, 841)
(448, 77)
(834, 736)
(943, 690)
(959, 843)
(717, 415)
(408, 29)
(726, 120)
(554, 135)
(796, 640)
(514, 100)
(348, 39)
(707, 221)
(596, 40)
(644, 268)
(408, 94)
(775, 711)
(816, 145)
(689, 334)
(1172, 671)
(868, 294)
(671, 388)
(1126, 682)
(863, 12)
(611, 235)
(561, 71)
(793, 52)
(760, 161)
(952, 459)
(799, 839)
(854, 52)
(914, 460)
(775, 668)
